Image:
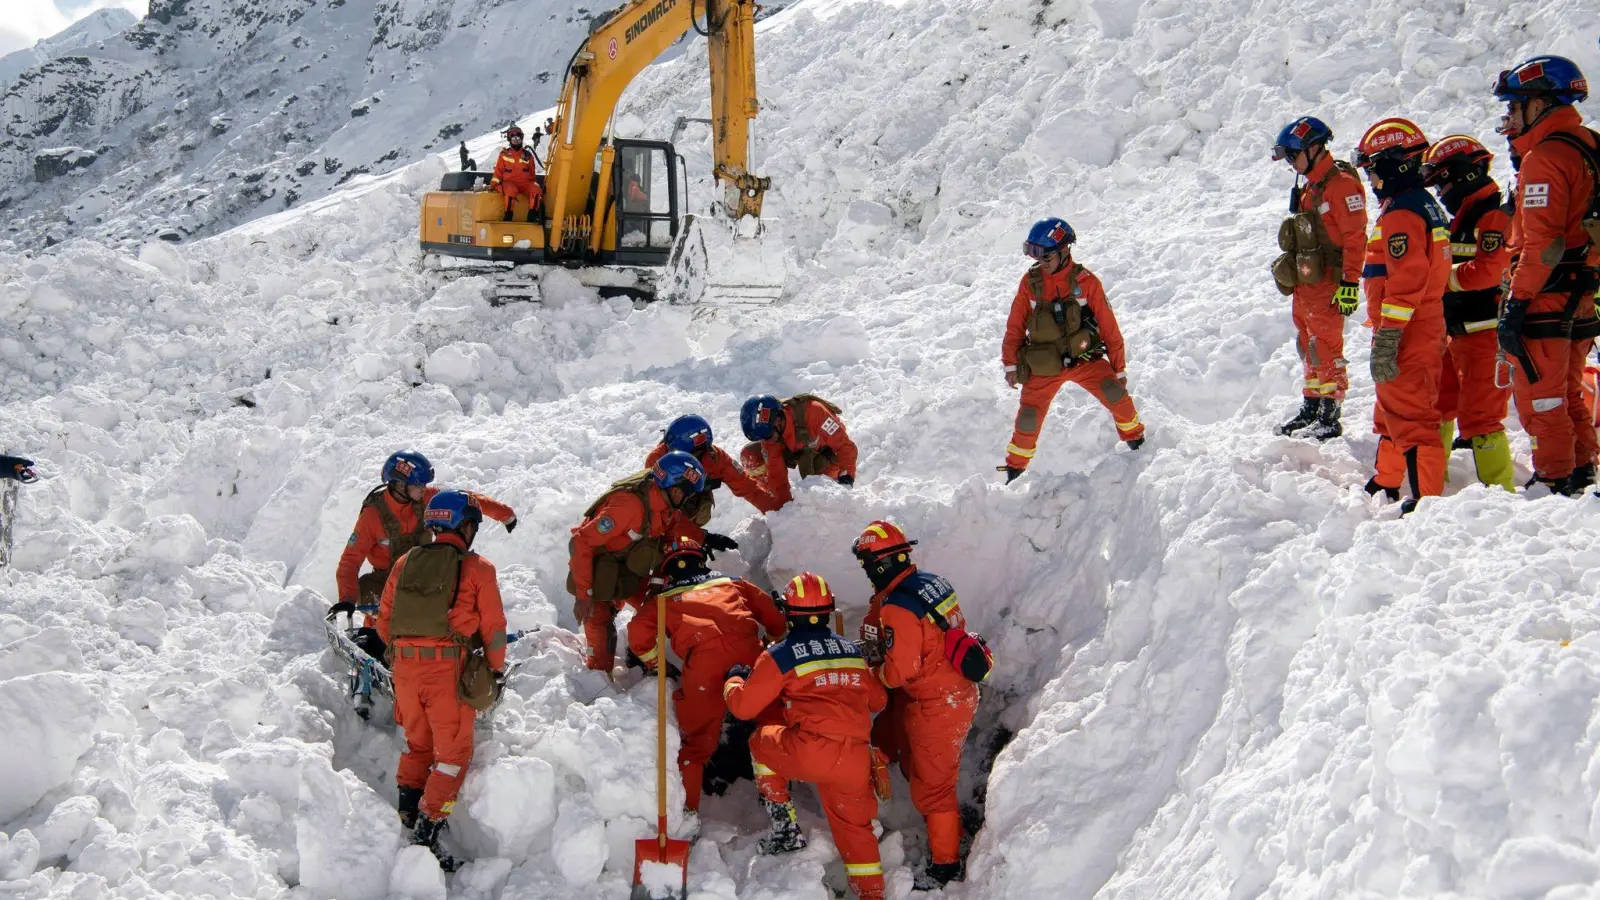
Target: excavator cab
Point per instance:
(645, 187)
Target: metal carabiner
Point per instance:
(1502, 364)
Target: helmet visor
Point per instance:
(1281, 152)
(1038, 251)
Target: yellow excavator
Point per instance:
(613, 209)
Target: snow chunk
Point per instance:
(579, 848)
(165, 544)
(19, 855)
(417, 875)
(1531, 867)
(67, 824)
(865, 223)
(513, 800)
(51, 650)
(51, 720)
(346, 837)
(461, 364)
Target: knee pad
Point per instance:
(1114, 391)
(1028, 420)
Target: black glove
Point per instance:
(716, 543)
(511, 524)
(846, 480)
(499, 683)
(740, 671)
(18, 469)
(343, 606)
(1509, 331)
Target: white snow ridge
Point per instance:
(1223, 670)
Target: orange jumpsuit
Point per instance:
(1319, 327)
(827, 433)
(931, 705)
(617, 524)
(437, 724)
(721, 469)
(370, 542)
(515, 175)
(1481, 250)
(1553, 194)
(1099, 376)
(1407, 268)
(828, 699)
(714, 624)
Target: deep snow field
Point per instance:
(1228, 672)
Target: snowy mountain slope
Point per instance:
(210, 113)
(1228, 672)
(86, 32)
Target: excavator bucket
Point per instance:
(719, 262)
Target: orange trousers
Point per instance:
(1098, 378)
(701, 709)
(1319, 336)
(842, 772)
(600, 633)
(925, 736)
(1466, 386)
(1552, 409)
(511, 190)
(438, 729)
(1406, 416)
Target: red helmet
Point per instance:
(807, 595)
(1396, 137)
(880, 539)
(682, 552)
(1452, 153)
(513, 132)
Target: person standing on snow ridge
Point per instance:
(1406, 271)
(804, 433)
(15, 468)
(1548, 324)
(931, 705)
(618, 545)
(692, 435)
(1322, 243)
(828, 697)
(441, 597)
(1457, 168)
(516, 174)
(1061, 328)
(714, 622)
(390, 524)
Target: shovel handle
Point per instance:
(661, 719)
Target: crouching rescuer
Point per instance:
(814, 697)
(443, 620)
(1062, 329)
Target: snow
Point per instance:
(1228, 672)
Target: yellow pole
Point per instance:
(661, 722)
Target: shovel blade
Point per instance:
(660, 872)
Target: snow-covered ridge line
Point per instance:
(1227, 671)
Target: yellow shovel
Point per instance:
(660, 854)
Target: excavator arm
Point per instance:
(619, 46)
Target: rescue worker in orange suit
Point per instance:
(617, 546)
(931, 705)
(440, 597)
(1323, 243)
(1457, 168)
(390, 523)
(826, 696)
(516, 173)
(1406, 271)
(692, 435)
(803, 433)
(1062, 329)
(714, 622)
(1548, 324)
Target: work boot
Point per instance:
(785, 836)
(1408, 506)
(1582, 477)
(410, 800)
(1307, 414)
(937, 875)
(531, 219)
(1135, 444)
(427, 835)
(1327, 425)
(509, 217)
(1373, 487)
(1012, 474)
(1491, 456)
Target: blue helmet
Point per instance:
(407, 467)
(1047, 236)
(1299, 135)
(449, 509)
(689, 434)
(759, 417)
(679, 469)
(1551, 77)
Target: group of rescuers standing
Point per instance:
(1454, 303)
